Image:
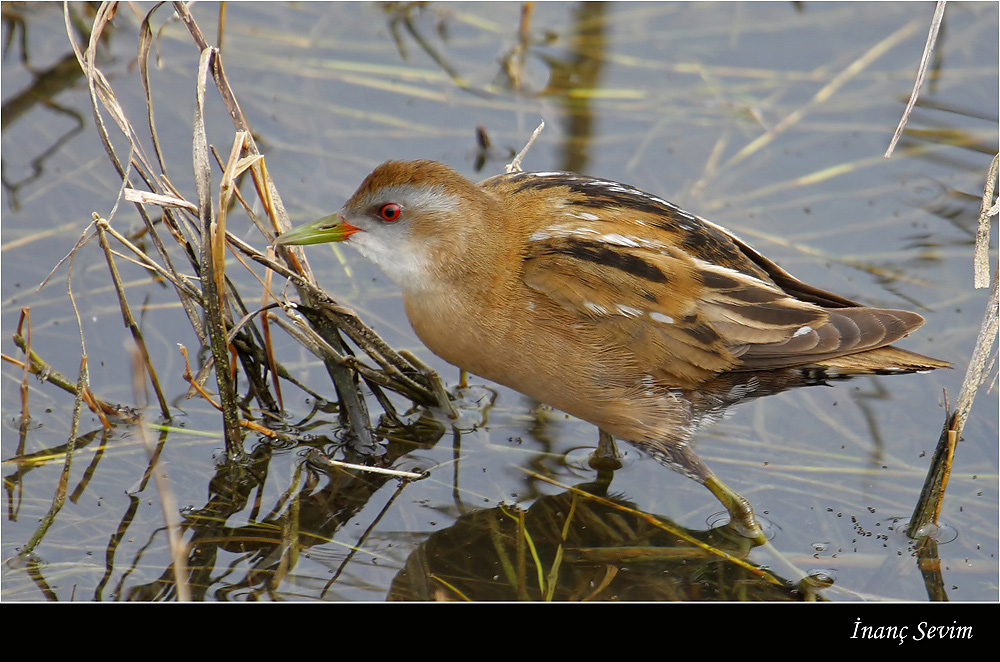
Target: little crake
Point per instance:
(601, 300)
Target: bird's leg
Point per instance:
(606, 457)
(740, 511)
(680, 457)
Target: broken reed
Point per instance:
(238, 337)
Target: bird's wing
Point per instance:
(685, 318)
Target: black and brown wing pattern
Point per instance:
(688, 298)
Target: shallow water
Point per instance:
(769, 118)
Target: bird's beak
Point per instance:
(328, 228)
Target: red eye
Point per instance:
(390, 211)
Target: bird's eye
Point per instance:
(390, 212)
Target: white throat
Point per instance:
(408, 268)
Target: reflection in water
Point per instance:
(313, 511)
(575, 78)
(585, 543)
(582, 545)
(46, 85)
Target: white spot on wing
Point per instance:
(628, 311)
(734, 274)
(554, 232)
(621, 240)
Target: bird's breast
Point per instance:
(533, 348)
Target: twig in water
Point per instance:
(921, 72)
(932, 495)
(515, 165)
(989, 209)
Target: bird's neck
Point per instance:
(479, 255)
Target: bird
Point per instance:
(603, 301)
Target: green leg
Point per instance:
(740, 511)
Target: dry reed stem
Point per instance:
(24, 322)
(205, 249)
(250, 425)
(130, 323)
(977, 373)
(102, 95)
(351, 399)
(921, 72)
(265, 329)
(515, 165)
(45, 373)
(319, 458)
(989, 209)
(212, 265)
(400, 368)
